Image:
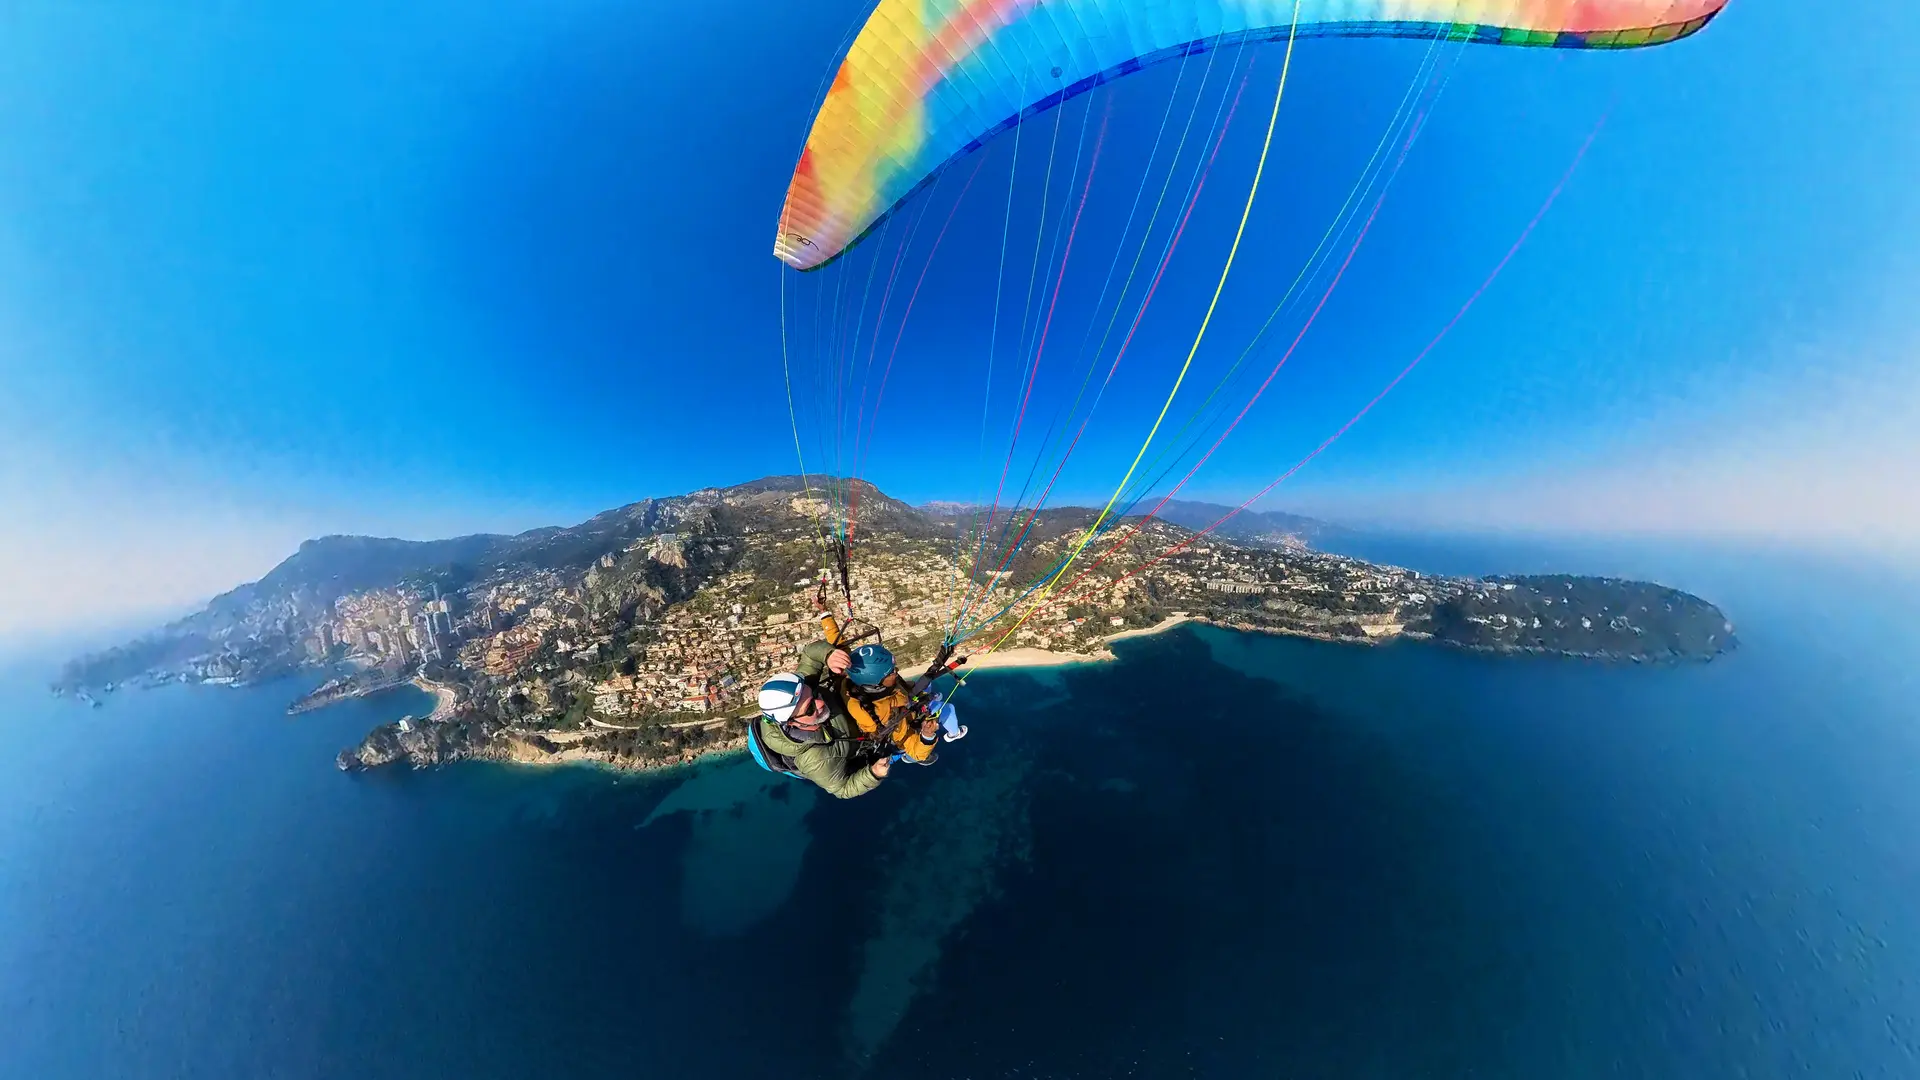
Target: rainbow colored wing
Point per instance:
(927, 81)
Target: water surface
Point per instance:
(1223, 855)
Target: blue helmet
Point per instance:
(871, 665)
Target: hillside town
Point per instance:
(641, 636)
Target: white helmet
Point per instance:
(779, 696)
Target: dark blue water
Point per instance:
(1223, 856)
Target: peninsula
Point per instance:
(637, 638)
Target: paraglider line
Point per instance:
(1339, 275)
(1140, 193)
(999, 284)
(1129, 532)
(1146, 236)
(873, 346)
(786, 368)
(843, 369)
(1047, 325)
(793, 417)
(1365, 181)
(1196, 184)
(1364, 184)
(1113, 265)
(1026, 313)
(1173, 243)
(1539, 216)
(1253, 191)
(912, 299)
(1414, 131)
(1153, 219)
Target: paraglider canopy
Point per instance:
(927, 81)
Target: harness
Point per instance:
(764, 756)
(908, 705)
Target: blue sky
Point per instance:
(270, 271)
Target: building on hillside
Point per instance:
(505, 657)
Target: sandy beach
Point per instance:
(1160, 627)
(1028, 656)
(444, 698)
(1032, 657)
(1015, 658)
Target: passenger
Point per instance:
(878, 701)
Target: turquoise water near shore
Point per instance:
(1223, 855)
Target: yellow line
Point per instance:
(1286, 66)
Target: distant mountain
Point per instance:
(1258, 526)
(866, 506)
(530, 618)
(327, 568)
(323, 570)
(1252, 526)
(339, 565)
(306, 584)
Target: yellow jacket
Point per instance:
(887, 715)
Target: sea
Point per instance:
(1222, 855)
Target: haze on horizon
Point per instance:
(336, 269)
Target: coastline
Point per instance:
(1028, 656)
(1031, 657)
(1160, 627)
(521, 749)
(564, 748)
(446, 700)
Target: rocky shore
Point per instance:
(425, 744)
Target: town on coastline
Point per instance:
(637, 638)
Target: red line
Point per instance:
(1040, 348)
(1128, 533)
(847, 346)
(873, 346)
(1538, 217)
(861, 445)
(1413, 134)
(1184, 218)
(1165, 259)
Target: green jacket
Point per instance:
(813, 664)
(834, 763)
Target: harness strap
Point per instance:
(766, 756)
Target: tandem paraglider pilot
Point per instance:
(806, 729)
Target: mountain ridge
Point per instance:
(646, 616)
